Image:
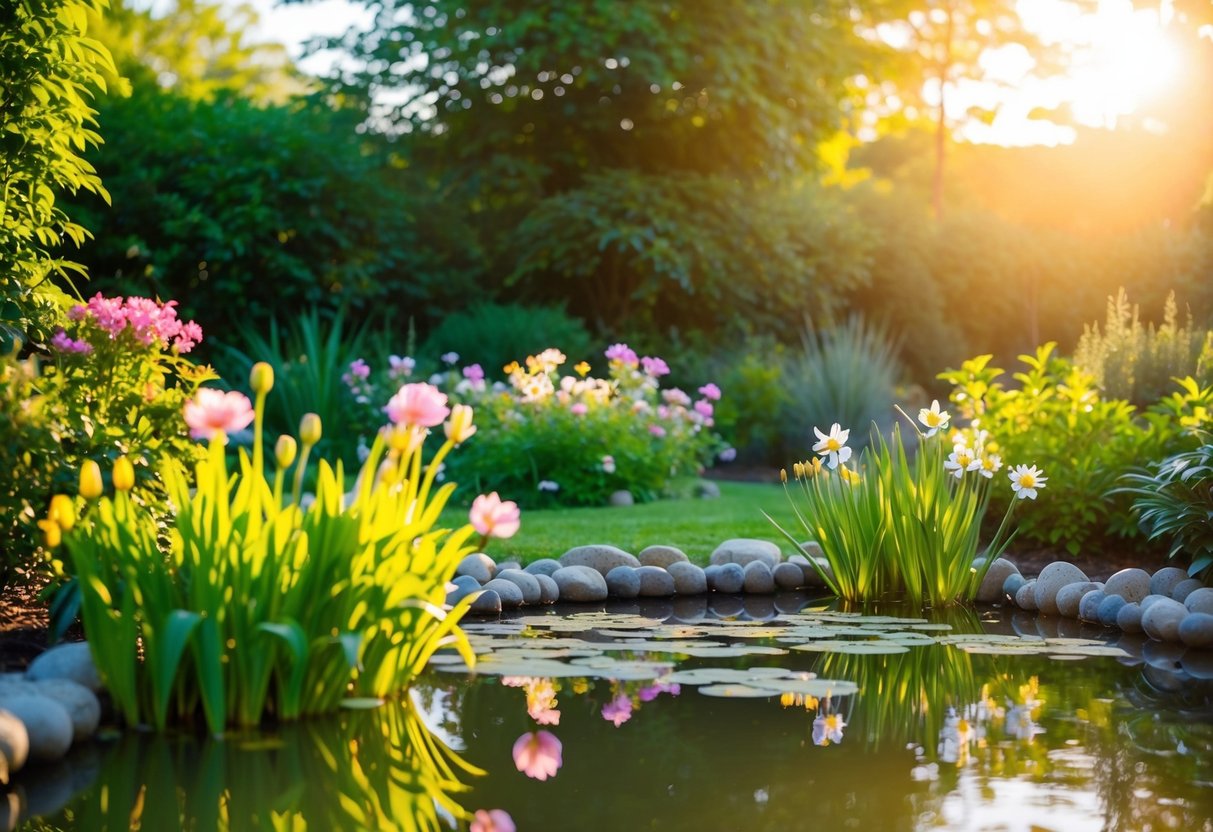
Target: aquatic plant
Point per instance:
(263, 603)
(896, 524)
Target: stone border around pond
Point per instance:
(1167, 606)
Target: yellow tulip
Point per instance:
(460, 428)
(124, 474)
(90, 480)
(62, 511)
(52, 535)
(261, 378)
(285, 450)
(310, 429)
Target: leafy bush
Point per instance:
(111, 384)
(1174, 503)
(494, 334)
(751, 416)
(892, 525)
(843, 374)
(48, 72)
(263, 605)
(1057, 419)
(1137, 363)
(549, 438)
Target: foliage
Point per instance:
(549, 438)
(1138, 363)
(691, 251)
(308, 354)
(107, 386)
(892, 525)
(751, 416)
(1056, 419)
(262, 605)
(1174, 503)
(247, 213)
(493, 334)
(48, 71)
(845, 373)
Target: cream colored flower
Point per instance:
(934, 419)
(833, 446)
(1026, 480)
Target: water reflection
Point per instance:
(380, 769)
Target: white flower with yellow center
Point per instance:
(990, 464)
(934, 419)
(1025, 480)
(961, 459)
(833, 446)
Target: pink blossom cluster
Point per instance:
(357, 378)
(65, 343)
(623, 354)
(148, 321)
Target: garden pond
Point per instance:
(776, 713)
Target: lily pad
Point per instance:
(854, 648)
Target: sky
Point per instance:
(1122, 59)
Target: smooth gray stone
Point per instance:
(812, 577)
(580, 583)
(744, 550)
(709, 573)
(66, 661)
(1149, 600)
(990, 590)
(730, 578)
(507, 564)
(1130, 584)
(662, 556)
(464, 585)
(47, 724)
(599, 556)
(549, 593)
(1165, 579)
(788, 576)
(1196, 630)
(477, 565)
(757, 578)
(1010, 587)
(1052, 578)
(81, 704)
(543, 566)
(1161, 619)
(526, 582)
(689, 579)
(1069, 597)
(623, 582)
(1183, 589)
(1025, 598)
(1200, 600)
(621, 498)
(1108, 609)
(655, 582)
(1088, 607)
(509, 592)
(486, 603)
(1128, 618)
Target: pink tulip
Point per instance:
(537, 754)
(493, 518)
(422, 405)
(213, 412)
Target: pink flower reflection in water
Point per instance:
(537, 754)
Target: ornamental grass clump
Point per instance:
(893, 523)
(263, 604)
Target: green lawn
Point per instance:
(693, 525)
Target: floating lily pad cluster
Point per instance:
(635, 648)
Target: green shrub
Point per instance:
(494, 334)
(844, 374)
(48, 72)
(1137, 363)
(100, 389)
(1174, 504)
(751, 416)
(1056, 419)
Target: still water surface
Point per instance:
(948, 720)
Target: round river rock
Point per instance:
(1130, 584)
(1068, 597)
(1162, 619)
(655, 582)
(623, 582)
(1165, 579)
(662, 556)
(66, 661)
(757, 578)
(689, 579)
(992, 584)
(1196, 630)
(531, 592)
(744, 550)
(543, 566)
(730, 578)
(581, 583)
(1052, 578)
(599, 557)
